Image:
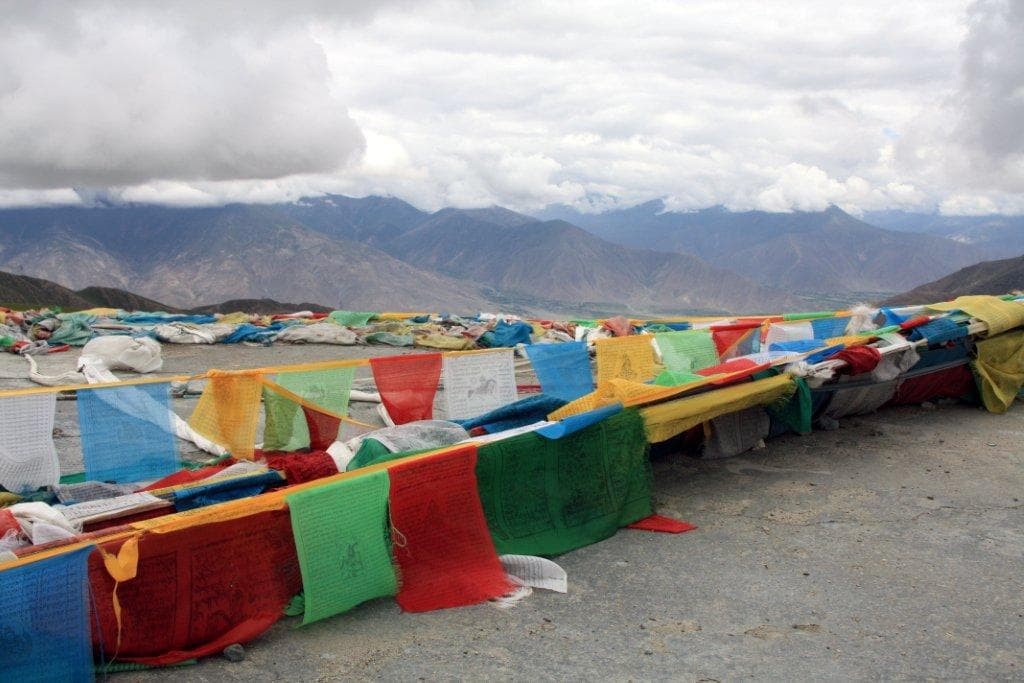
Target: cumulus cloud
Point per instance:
(104, 94)
(970, 144)
(779, 106)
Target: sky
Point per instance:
(780, 106)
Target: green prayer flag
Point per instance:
(687, 350)
(285, 426)
(675, 378)
(352, 318)
(341, 536)
(808, 316)
(796, 412)
(549, 496)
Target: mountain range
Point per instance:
(988, 277)
(380, 253)
(996, 236)
(821, 254)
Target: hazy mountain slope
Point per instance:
(995, 235)
(554, 260)
(828, 251)
(989, 277)
(371, 220)
(188, 257)
(261, 306)
(111, 297)
(23, 291)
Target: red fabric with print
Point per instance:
(301, 467)
(407, 385)
(188, 476)
(660, 523)
(197, 590)
(323, 428)
(444, 551)
(955, 382)
(859, 359)
(914, 322)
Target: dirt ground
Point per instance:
(891, 548)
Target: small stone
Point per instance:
(234, 653)
(990, 444)
(928, 405)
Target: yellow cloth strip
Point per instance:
(100, 311)
(999, 315)
(1000, 369)
(665, 420)
(852, 340)
(398, 315)
(228, 412)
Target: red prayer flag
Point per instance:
(858, 359)
(726, 337)
(301, 467)
(407, 384)
(662, 524)
(323, 428)
(198, 589)
(444, 551)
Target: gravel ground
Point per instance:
(891, 548)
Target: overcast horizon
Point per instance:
(777, 107)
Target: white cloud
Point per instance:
(787, 105)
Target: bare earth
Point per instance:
(890, 548)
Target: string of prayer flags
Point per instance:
(28, 457)
(341, 536)
(44, 623)
(629, 358)
(127, 434)
(407, 385)
(285, 427)
(445, 554)
(228, 411)
(478, 383)
(687, 350)
(563, 370)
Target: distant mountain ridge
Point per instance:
(546, 262)
(994, 235)
(988, 277)
(802, 252)
(381, 253)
